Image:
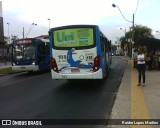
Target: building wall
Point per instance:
(1, 24)
(1, 9)
(1, 29)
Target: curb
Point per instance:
(121, 101)
(1, 75)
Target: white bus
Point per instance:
(79, 52)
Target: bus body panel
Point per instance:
(95, 75)
(82, 70)
(45, 64)
(98, 45)
(25, 68)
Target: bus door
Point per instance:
(43, 56)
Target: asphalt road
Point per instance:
(37, 96)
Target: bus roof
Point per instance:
(72, 26)
(45, 40)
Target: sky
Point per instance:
(23, 13)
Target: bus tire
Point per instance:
(30, 72)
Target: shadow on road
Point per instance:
(36, 73)
(81, 86)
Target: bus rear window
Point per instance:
(73, 37)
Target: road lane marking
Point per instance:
(138, 105)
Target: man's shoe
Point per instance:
(138, 84)
(143, 84)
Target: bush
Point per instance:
(3, 42)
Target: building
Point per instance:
(1, 23)
(43, 37)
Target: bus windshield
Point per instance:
(73, 37)
(24, 50)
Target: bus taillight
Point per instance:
(54, 65)
(96, 63)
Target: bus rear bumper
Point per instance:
(25, 68)
(91, 75)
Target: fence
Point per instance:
(5, 53)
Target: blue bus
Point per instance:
(79, 52)
(31, 54)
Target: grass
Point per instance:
(6, 71)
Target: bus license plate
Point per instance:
(64, 77)
(75, 70)
(22, 67)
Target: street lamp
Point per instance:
(124, 31)
(31, 27)
(49, 22)
(8, 33)
(113, 5)
(158, 32)
(8, 29)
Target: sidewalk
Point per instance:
(137, 102)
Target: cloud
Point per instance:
(22, 13)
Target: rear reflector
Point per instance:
(96, 63)
(54, 65)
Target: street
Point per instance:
(37, 96)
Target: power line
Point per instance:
(136, 7)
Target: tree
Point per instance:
(114, 48)
(14, 37)
(139, 32)
(123, 42)
(3, 42)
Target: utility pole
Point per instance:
(132, 36)
(49, 22)
(23, 32)
(132, 42)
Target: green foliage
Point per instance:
(3, 42)
(114, 47)
(123, 42)
(139, 32)
(6, 71)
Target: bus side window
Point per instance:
(107, 47)
(41, 51)
(102, 44)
